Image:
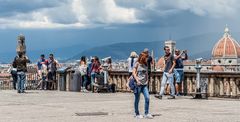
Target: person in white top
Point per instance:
(83, 68)
(131, 62)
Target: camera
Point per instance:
(184, 51)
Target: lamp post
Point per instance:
(198, 67)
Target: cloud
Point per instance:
(106, 13)
(68, 14)
(212, 8)
(103, 11)
(13, 7)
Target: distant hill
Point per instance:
(119, 50)
(197, 46)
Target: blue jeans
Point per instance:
(167, 77)
(84, 81)
(93, 76)
(14, 77)
(21, 80)
(44, 82)
(141, 89)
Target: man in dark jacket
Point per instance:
(149, 64)
(20, 63)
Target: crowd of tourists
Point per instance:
(139, 74)
(47, 70)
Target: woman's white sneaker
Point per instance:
(139, 116)
(148, 116)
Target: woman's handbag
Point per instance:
(132, 83)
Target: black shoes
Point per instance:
(21, 91)
(171, 97)
(158, 96)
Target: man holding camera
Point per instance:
(178, 70)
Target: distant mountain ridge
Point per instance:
(197, 46)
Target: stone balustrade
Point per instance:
(32, 80)
(216, 83)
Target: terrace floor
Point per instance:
(55, 106)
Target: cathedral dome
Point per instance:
(226, 47)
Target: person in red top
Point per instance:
(95, 69)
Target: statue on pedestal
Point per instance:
(21, 46)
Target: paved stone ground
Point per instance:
(51, 106)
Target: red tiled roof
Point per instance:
(226, 47)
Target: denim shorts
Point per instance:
(179, 75)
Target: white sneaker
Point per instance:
(85, 90)
(148, 116)
(139, 116)
(94, 84)
(82, 89)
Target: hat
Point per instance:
(134, 54)
(146, 50)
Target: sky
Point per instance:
(64, 23)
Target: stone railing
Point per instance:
(5, 82)
(217, 83)
(32, 80)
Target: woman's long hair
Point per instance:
(83, 60)
(143, 58)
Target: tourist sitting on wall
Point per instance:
(43, 76)
(42, 71)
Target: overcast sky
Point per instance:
(62, 23)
